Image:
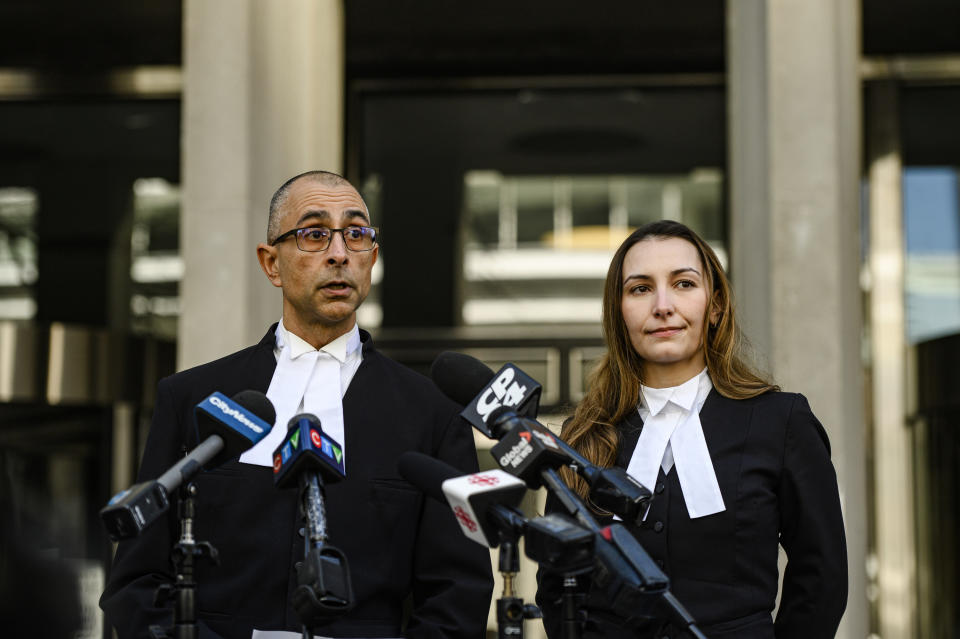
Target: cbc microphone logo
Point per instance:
(483, 480)
(465, 520)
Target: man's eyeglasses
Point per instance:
(317, 238)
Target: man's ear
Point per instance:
(267, 256)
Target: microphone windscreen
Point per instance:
(237, 424)
(257, 403)
(426, 473)
(294, 421)
(460, 376)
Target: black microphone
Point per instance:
(306, 448)
(527, 447)
(611, 489)
(472, 384)
(484, 505)
(306, 457)
(225, 428)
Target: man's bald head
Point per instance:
(326, 178)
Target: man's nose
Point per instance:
(337, 251)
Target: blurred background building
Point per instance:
(505, 148)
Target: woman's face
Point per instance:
(664, 305)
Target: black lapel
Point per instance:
(359, 378)
(263, 364)
(724, 420)
(726, 424)
(629, 432)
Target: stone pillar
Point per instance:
(262, 101)
(893, 448)
(795, 113)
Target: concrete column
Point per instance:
(794, 95)
(892, 441)
(263, 101)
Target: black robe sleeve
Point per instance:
(814, 593)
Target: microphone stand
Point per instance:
(511, 611)
(184, 555)
(630, 551)
(324, 590)
(571, 604)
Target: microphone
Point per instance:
(526, 447)
(307, 458)
(472, 384)
(620, 567)
(628, 577)
(225, 428)
(485, 504)
(306, 448)
(611, 489)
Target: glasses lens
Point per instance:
(315, 239)
(356, 238)
(359, 238)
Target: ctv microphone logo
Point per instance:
(315, 438)
(277, 463)
(465, 520)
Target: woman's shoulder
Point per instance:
(771, 399)
(791, 410)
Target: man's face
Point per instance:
(320, 290)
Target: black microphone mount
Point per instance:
(324, 590)
(611, 489)
(186, 552)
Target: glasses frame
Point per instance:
(296, 233)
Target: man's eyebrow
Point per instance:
(353, 214)
(324, 215)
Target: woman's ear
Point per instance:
(714, 314)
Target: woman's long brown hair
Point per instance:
(614, 385)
